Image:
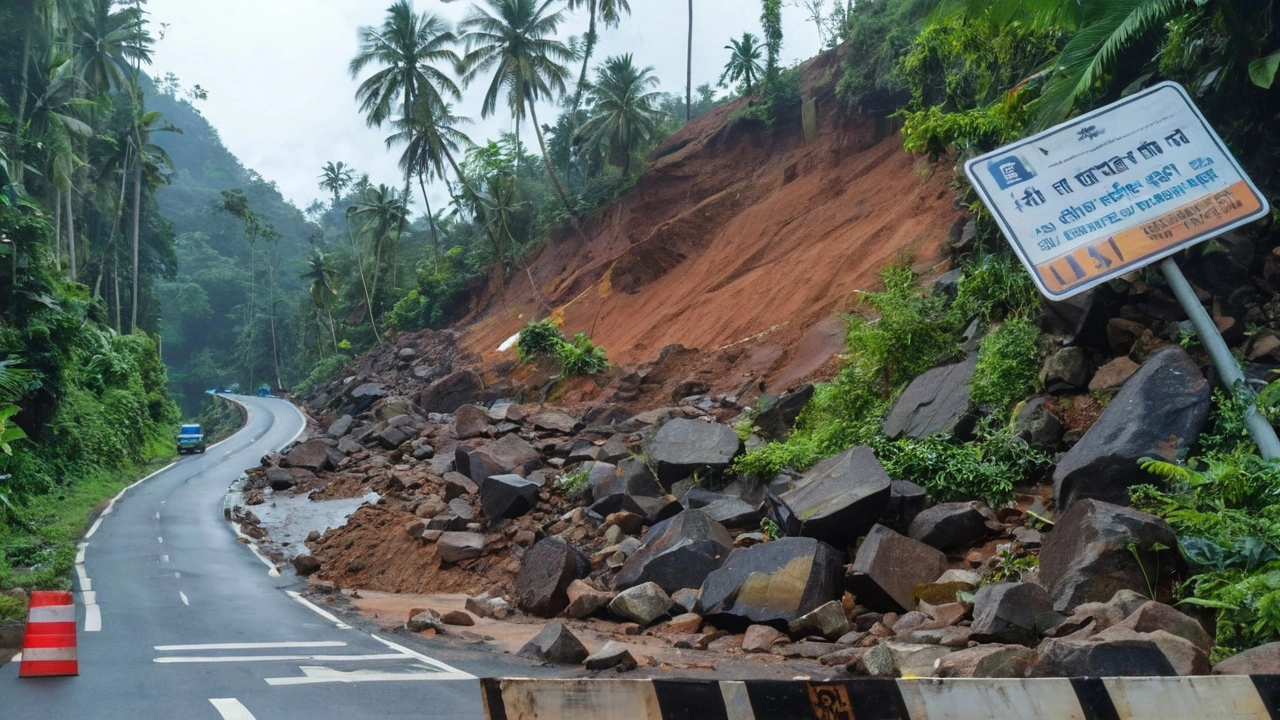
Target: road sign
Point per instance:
(1113, 190)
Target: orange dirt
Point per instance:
(737, 235)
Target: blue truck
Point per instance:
(190, 439)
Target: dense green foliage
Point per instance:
(539, 338)
(577, 356)
(1008, 366)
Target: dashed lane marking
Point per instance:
(314, 674)
(164, 558)
(159, 539)
(185, 659)
(185, 601)
(250, 646)
(231, 709)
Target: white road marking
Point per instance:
(85, 583)
(177, 576)
(185, 601)
(157, 516)
(251, 646)
(17, 658)
(89, 597)
(93, 528)
(318, 674)
(231, 709)
(80, 553)
(159, 539)
(92, 618)
(429, 660)
(317, 610)
(184, 659)
(164, 558)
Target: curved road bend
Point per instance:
(176, 619)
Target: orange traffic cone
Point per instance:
(49, 648)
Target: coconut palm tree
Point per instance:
(152, 159)
(624, 112)
(381, 213)
(335, 177)
(608, 13)
(430, 138)
(516, 40)
(744, 62)
(322, 273)
(104, 41)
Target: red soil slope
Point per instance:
(737, 235)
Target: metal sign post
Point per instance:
(1117, 189)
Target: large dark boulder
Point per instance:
(451, 392)
(950, 525)
(312, 455)
(510, 454)
(1096, 549)
(1158, 413)
(906, 501)
(555, 644)
(507, 496)
(682, 447)
(546, 571)
(1120, 652)
(340, 427)
(1006, 612)
(777, 581)
(889, 566)
(363, 397)
(838, 500)
(631, 476)
(678, 553)
(776, 421)
(935, 402)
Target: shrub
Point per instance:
(581, 356)
(539, 338)
(1007, 370)
(986, 468)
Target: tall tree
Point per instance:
(335, 177)
(624, 111)
(105, 41)
(516, 40)
(381, 213)
(152, 158)
(688, 78)
(608, 13)
(430, 138)
(744, 62)
(322, 288)
(771, 21)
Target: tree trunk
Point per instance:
(25, 88)
(333, 333)
(546, 160)
(582, 79)
(57, 227)
(368, 307)
(115, 282)
(137, 216)
(688, 78)
(275, 346)
(431, 220)
(71, 233)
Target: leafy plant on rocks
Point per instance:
(1007, 371)
(581, 356)
(539, 338)
(987, 467)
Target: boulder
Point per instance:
(987, 661)
(457, 485)
(679, 554)
(1262, 660)
(363, 396)
(630, 476)
(1120, 652)
(1152, 616)
(828, 621)
(641, 604)
(735, 513)
(906, 500)
(451, 392)
(613, 655)
(888, 567)
(1037, 425)
(1113, 374)
(950, 525)
(682, 447)
(1158, 413)
(1090, 554)
(555, 644)
(508, 455)
(778, 581)
(838, 500)
(584, 600)
(762, 638)
(1067, 370)
(392, 437)
(425, 619)
(312, 455)
(306, 565)
(555, 420)
(1007, 612)
(545, 574)
(935, 402)
(507, 496)
(457, 617)
(280, 479)
(775, 422)
(470, 422)
(340, 427)
(458, 546)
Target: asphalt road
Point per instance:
(177, 619)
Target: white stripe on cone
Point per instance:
(52, 613)
(48, 654)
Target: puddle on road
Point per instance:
(289, 519)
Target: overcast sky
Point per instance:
(281, 98)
